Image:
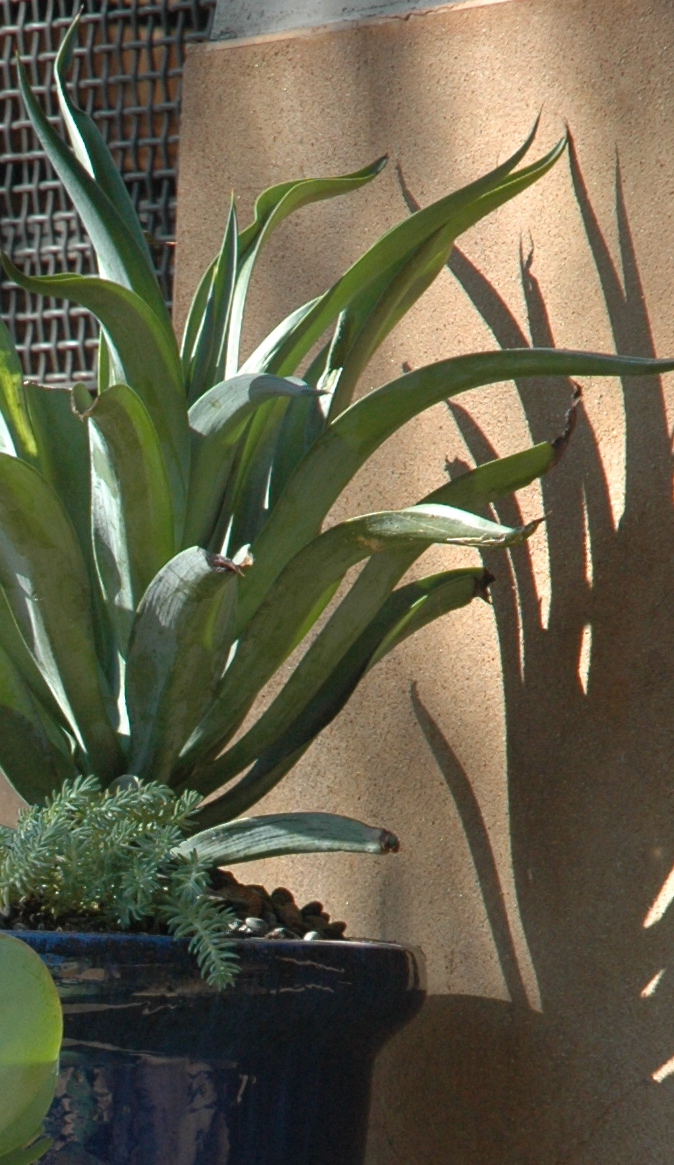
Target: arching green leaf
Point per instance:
(132, 514)
(45, 581)
(181, 638)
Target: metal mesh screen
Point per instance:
(126, 73)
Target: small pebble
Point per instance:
(314, 921)
(290, 916)
(220, 878)
(281, 896)
(311, 936)
(281, 932)
(334, 930)
(257, 926)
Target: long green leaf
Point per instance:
(376, 311)
(34, 752)
(15, 647)
(250, 492)
(195, 317)
(347, 443)
(303, 422)
(63, 454)
(147, 360)
(405, 611)
(206, 361)
(120, 256)
(453, 213)
(63, 457)
(251, 838)
(472, 491)
(285, 728)
(45, 580)
(132, 514)
(89, 147)
(12, 402)
(265, 356)
(246, 793)
(217, 421)
(308, 582)
(271, 208)
(31, 1028)
(284, 348)
(181, 637)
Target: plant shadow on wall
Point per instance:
(591, 796)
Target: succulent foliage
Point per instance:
(112, 858)
(162, 548)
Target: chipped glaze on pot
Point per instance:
(160, 1069)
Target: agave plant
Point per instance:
(162, 545)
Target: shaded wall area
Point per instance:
(524, 753)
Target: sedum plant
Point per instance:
(112, 859)
(162, 540)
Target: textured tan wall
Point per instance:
(546, 808)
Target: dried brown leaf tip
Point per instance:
(389, 842)
(482, 585)
(560, 443)
(222, 565)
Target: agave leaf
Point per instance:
(379, 263)
(104, 370)
(376, 311)
(454, 214)
(355, 434)
(251, 838)
(264, 358)
(206, 360)
(89, 147)
(271, 208)
(64, 463)
(31, 1027)
(195, 317)
(472, 490)
(45, 581)
(285, 728)
(249, 790)
(19, 437)
(308, 583)
(15, 647)
(61, 446)
(147, 360)
(250, 492)
(304, 420)
(34, 752)
(181, 637)
(133, 522)
(217, 421)
(120, 257)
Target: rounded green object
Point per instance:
(31, 1026)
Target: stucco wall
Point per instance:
(526, 762)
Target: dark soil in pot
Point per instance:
(260, 914)
(160, 1069)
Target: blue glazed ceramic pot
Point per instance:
(160, 1069)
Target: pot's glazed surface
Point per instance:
(160, 1069)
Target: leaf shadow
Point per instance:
(589, 763)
